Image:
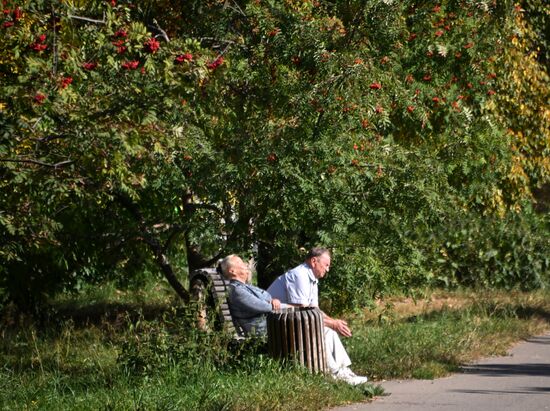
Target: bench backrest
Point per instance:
(209, 289)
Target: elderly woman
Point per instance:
(248, 304)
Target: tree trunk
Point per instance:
(268, 266)
(156, 248)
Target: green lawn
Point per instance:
(114, 353)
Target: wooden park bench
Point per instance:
(208, 289)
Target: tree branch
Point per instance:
(50, 138)
(72, 16)
(55, 52)
(177, 229)
(236, 7)
(197, 260)
(189, 207)
(215, 40)
(317, 128)
(36, 122)
(154, 246)
(40, 163)
(157, 27)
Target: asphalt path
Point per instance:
(519, 381)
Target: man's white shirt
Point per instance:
(296, 286)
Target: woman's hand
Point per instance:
(276, 304)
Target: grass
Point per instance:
(115, 353)
(177, 389)
(123, 355)
(428, 339)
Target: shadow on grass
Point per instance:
(520, 311)
(114, 313)
(489, 309)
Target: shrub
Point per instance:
(491, 251)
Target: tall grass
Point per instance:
(134, 363)
(433, 343)
(266, 388)
(151, 358)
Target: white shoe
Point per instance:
(347, 375)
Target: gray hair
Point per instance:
(317, 252)
(226, 263)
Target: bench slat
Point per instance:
(218, 291)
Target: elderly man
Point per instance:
(248, 304)
(299, 287)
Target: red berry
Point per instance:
(39, 98)
(130, 65)
(152, 45)
(184, 57)
(89, 66)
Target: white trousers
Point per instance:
(337, 357)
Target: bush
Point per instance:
(491, 251)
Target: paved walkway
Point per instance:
(517, 382)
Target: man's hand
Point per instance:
(276, 304)
(340, 326)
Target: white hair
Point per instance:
(226, 263)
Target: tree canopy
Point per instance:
(159, 135)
